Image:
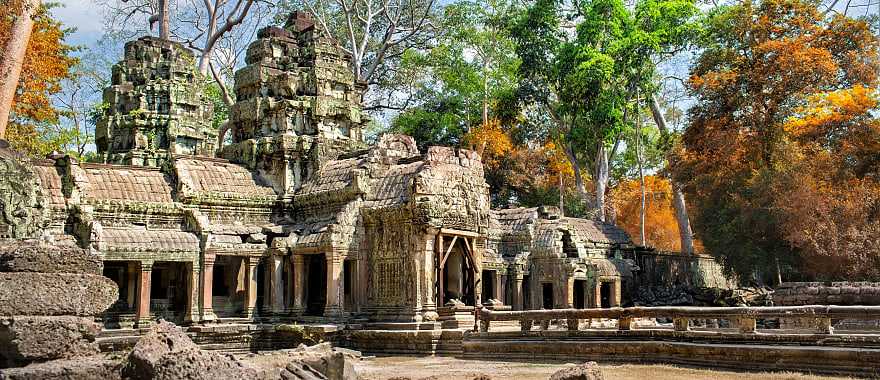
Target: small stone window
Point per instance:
(568, 245)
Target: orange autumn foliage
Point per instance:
(661, 227)
(490, 141)
(46, 64)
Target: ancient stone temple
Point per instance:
(295, 217)
(156, 106)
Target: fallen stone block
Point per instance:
(162, 339)
(32, 256)
(27, 339)
(55, 294)
(89, 368)
(195, 364)
(586, 371)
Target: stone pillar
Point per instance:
(568, 294)
(251, 283)
(207, 287)
(299, 283)
(276, 266)
(192, 303)
(333, 307)
(497, 287)
(132, 276)
(143, 299)
(616, 291)
(597, 295)
(518, 292)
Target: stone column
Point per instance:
(299, 286)
(497, 287)
(333, 308)
(518, 292)
(616, 291)
(207, 287)
(597, 299)
(568, 294)
(277, 280)
(251, 282)
(192, 303)
(143, 299)
(132, 274)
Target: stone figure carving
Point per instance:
(21, 206)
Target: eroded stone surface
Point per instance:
(55, 294)
(27, 339)
(586, 371)
(33, 256)
(87, 368)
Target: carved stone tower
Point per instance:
(156, 106)
(298, 105)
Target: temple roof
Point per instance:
(220, 179)
(50, 181)
(141, 240)
(126, 183)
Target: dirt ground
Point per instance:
(383, 368)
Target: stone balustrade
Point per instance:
(742, 318)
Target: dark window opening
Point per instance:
(527, 293)
(488, 285)
(580, 292)
(568, 246)
(220, 287)
(605, 294)
(547, 292)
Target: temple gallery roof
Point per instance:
(543, 220)
(125, 183)
(220, 179)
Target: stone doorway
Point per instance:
(125, 275)
(228, 288)
(169, 287)
(457, 271)
(580, 294)
(605, 294)
(547, 295)
(527, 293)
(488, 281)
(316, 284)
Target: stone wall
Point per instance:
(827, 293)
(668, 269)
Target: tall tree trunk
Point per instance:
(600, 178)
(485, 95)
(639, 159)
(685, 232)
(164, 24)
(13, 58)
(576, 168)
(561, 196)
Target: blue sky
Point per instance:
(85, 16)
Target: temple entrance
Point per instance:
(457, 271)
(169, 286)
(124, 275)
(316, 284)
(488, 287)
(580, 294)
(527, 292)
(228, 288)
(605, 294)
(348, 285)
(547, 295)
(263, 302)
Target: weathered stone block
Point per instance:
(586, 371)
(31, 256)
(27, 339)
(55, 294)
(164, 338)
(91, 368)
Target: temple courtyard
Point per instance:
(442, 367)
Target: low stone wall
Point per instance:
(827, 293)
(848, 361)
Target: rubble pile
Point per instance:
(681, 295)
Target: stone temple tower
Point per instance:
(298, 105)
(156, 106)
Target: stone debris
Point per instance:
(88, 368)
(683, 295)
(49, 315)
(586, 371)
